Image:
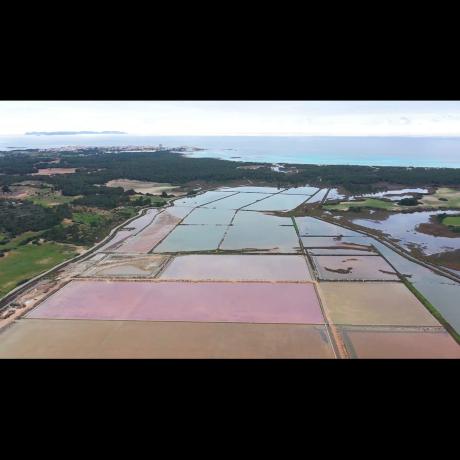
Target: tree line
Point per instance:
(95, 167)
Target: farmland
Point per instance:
(25, 262)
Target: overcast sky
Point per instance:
(234, 117)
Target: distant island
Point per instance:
(66, 133)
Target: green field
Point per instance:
(25, 262)
(45, 197)
(88, 218)
(126, 213)
(16, 242)
(153, 199)
(368, 203)
(453, 221)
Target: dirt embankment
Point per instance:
(449, 259)
(436, 228)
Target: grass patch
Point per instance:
(25, 262)
(368, 203)
(453, 221)
(88, 218)
(154, 200)
(16, 242)
(126, 213)
(46, 198)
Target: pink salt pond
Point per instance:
(206, 267)
(289, 303)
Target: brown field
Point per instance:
(404, 343)
(53, 171)
(449, 259)
(142, 186)
(376, 304)
(20, 191)
(31, 338)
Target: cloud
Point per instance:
(235, 117)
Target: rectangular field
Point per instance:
(204, 216)
(374, 304)
(309, 226)
(237, 201)
(354, 268)
(300, 191)
(140, 186)
(237, 268)
(445, 297)
(142, 221)
(278, 203)
(120, 266)
(133, 339)
(250, 189)
(338, 242)
(52, 171)
(178, 212)
(191, 238)
(318, 196)
(202, 199)
(402, 343)
(115, 242)
(259, 219)
(275, 239)
(152, 234)
(184, 301)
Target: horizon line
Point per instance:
(294, 134)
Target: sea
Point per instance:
(372, 151)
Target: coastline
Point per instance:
(402, 151)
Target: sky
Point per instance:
(324, 118)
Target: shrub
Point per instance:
(408, 202)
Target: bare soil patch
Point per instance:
(436, 228)
(450, 259)
(142, 186)
(53, 171)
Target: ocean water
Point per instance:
(373, 151)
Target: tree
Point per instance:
(408, 202)
(6, 189)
